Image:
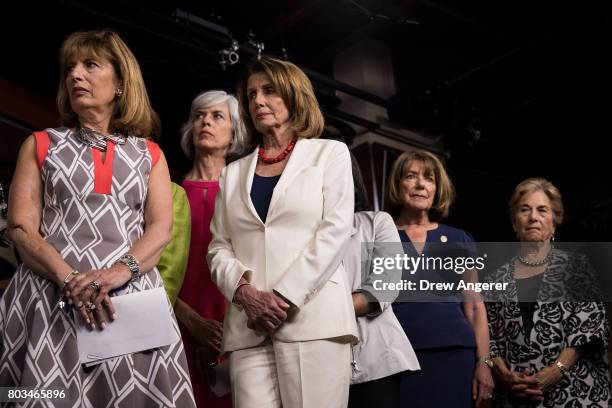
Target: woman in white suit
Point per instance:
(282, 220)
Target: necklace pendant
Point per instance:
(98, 140)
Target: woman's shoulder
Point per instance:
(454, 234)
(324, 144)
(44, 139)
(178, 192)
(384, 218)
(62, 130)
(378, 222)
(236, 162)
(375, 217)
(56, 133)
(141, 141)
(568, 257)
(235, 165)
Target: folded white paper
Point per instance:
(143, 323)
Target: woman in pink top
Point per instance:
(213, 132)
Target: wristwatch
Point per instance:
(132, 264)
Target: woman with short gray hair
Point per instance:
(213, 133)
(208, 99)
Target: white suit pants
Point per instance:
(309, 374)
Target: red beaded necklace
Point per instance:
(280, 157)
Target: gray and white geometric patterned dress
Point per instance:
(93, 212)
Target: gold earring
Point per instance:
(119, 92)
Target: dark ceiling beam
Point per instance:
(145, 28)
(376, 128)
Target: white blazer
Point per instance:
(383, 348)
(298, 250)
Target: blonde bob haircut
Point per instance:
(294, 87)
(445, 191)
(531, 185)
(133, 114)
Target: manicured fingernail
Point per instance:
(93, 326)
(114, 316)
(79, 304)
(88, 322)
(103, 325)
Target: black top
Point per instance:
(261, 193)
(527, 293)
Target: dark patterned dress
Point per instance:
(93, 212)
(566, 315)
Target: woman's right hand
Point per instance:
(92, 302)
(522, 385)
(207, 332)
(265, 311)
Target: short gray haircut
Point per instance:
(206, 100)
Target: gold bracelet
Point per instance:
(62, 300)
(66, 280)
(486, 360)
(564, 370)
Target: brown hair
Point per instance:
(531, 185)
(445, 191)
(133, 113)
(296, 90)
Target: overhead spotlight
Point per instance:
(259, 46)
(229, 56)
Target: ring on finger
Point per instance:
(95, 285)
(90, 306)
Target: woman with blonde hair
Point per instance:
(90, 213)
(448, 330)
(282, 220)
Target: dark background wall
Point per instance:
(515, 89)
